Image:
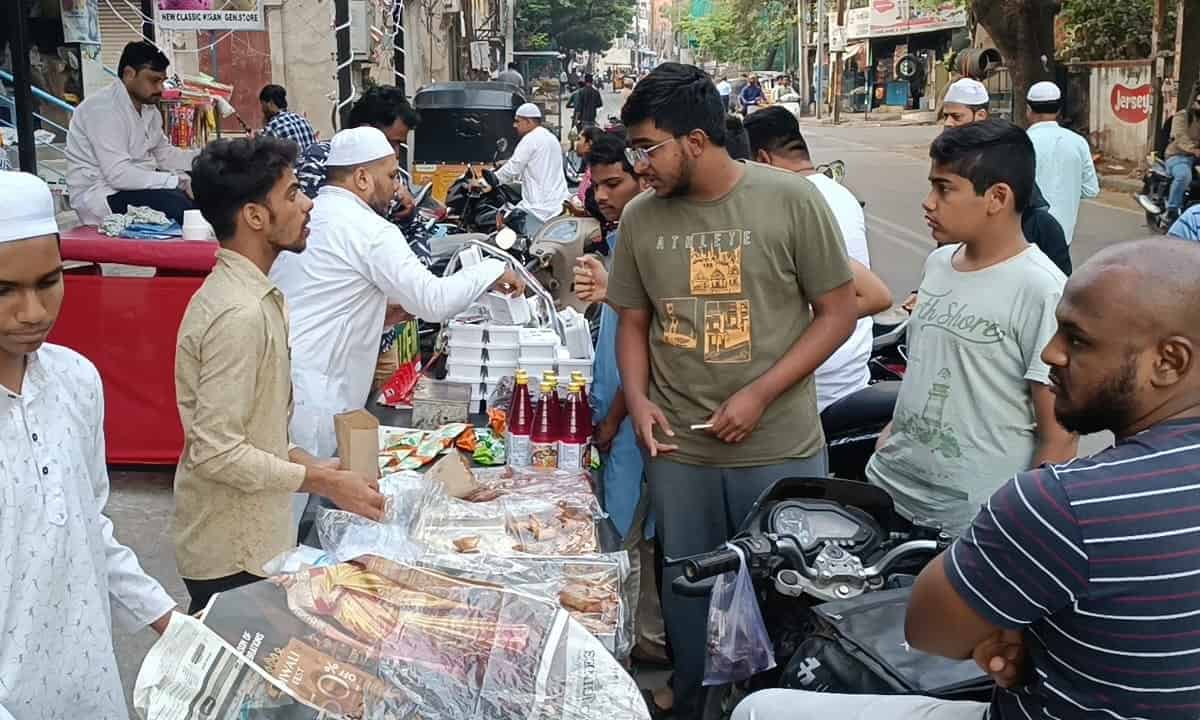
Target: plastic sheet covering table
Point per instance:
(127, 327)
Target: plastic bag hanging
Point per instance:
(737, 641)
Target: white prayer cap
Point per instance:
(1044, 91)
(358, 146)
(529, 110)
(26, 208)
(967, 91)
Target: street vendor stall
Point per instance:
(493, 585)
(127, 324)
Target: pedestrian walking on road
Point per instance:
(1065, 172)
(512, 76)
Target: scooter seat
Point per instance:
(871, 407)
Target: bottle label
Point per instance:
(518, 450)
(570, 455)
(543, 454)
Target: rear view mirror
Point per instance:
(502, 145)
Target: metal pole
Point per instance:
(398, 53)
(341, 21)
(213, 66)
(1157, 65)
(835, 96)
(822, 20)
(147, 19)
(802, 55)
(22, 85)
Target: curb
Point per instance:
(1121, 184)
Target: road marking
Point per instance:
(1114, 207)
(918, 244)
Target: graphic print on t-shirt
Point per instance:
(678, 316)
(715, 271)
(727, 331)
(929, 428)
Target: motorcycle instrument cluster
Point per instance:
(814, 522)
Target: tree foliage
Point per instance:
(578, 25)
(1108, 30)
(745, 32)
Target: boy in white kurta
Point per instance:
(63, 576)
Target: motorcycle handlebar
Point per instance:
(711, 564)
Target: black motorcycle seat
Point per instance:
(870, 407)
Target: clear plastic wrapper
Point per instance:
(595, 589)
(738, 644)
(375, 639)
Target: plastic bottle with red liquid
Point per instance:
(546, 422)
(520, 422)
(572, 444)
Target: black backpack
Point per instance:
(858, 648)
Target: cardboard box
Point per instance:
(358, 441)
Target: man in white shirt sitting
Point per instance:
(775, 139)
(538, 164)
(64, 578)
(356, 270)
(117, 154)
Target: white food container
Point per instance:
(537, 369)
(464, 352)
(504, 335)
(497, 370)
(500, 355)
(464, 372)
(566, 367)
(539, 345)
(578, 334)
(506, 310)
(461, 332)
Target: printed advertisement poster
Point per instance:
(210, 14)
(900, 17)
(858, 23)
(81, 21)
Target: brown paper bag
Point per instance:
(357, 434)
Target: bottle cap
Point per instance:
(576, 377)
(522, 378)
(547, 387)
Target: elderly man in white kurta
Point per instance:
(357, 265)
(63, 576)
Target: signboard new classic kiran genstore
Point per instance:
(210, 14)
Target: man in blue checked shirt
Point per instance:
(283, 123)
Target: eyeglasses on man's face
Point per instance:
(642, 155)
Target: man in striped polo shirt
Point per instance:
(1078, 586)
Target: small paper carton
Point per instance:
(357, 434)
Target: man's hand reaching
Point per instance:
(510, 283)
(356, 493)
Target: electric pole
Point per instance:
(821, 23)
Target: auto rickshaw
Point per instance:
(461, 123)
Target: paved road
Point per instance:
(886, 167)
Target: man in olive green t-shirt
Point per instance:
(734, 286)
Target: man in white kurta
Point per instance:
(63, 576)
(538, 164)
(356, 265)
(117, 154)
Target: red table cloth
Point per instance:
(127, 326)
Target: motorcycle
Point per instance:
(1156, 185)
(809, 541)
(889, 348)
